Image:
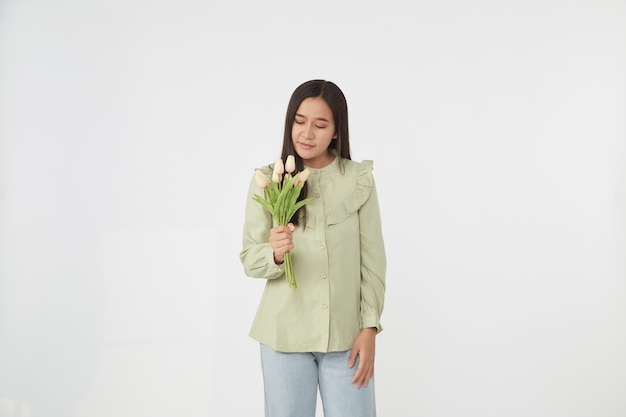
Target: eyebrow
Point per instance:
(319, 118)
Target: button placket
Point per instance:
(320, 233)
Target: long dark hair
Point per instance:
(336, 100)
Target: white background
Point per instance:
(130, 129)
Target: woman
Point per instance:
(323, 333)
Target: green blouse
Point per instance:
(338, 260)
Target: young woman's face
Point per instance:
(312, 131)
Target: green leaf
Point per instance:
(263, 202)
(272, 192)
(298, 205)
(280, 206)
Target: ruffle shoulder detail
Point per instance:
(360, 174)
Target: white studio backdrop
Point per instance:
(129, 131)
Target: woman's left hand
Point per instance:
(364, 346)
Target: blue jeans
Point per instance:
(291, 381)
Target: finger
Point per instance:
(352, 358)
(368, 376)
(280, 250)
(365, 370)
(358, 375)
(365, 375)
(280, 239)
(279, 231)
(361, 382)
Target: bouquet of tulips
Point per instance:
(281, 195)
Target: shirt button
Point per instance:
(320, 220)
(317, 196)
(324, 306)
(315, 172)
(322, 247)
(324, 276)
(275, 268)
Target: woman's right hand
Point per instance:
(281, 241)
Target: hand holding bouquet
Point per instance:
(281, 195)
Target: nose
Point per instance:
(308, 131)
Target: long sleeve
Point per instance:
(257, 255)
(373, 262)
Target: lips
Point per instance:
(305, 145)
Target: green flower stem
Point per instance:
(291, 279)
(280, 199)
